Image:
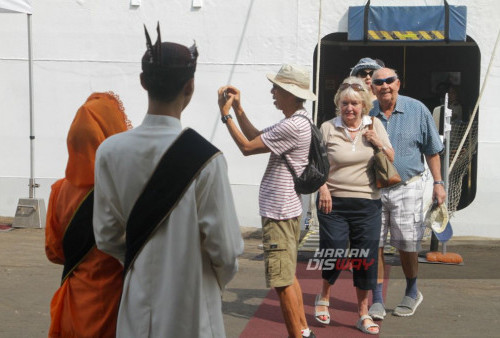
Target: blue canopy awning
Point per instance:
(404, 23)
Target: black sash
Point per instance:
(178, 167)
(79, 237)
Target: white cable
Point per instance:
(471, 120)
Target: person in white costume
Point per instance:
(174, 280)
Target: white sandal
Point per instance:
(319, 302)
(365, 328)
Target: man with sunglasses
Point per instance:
(413, 134)
(364, 69)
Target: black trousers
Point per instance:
(353, 223)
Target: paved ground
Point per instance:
(459, 301)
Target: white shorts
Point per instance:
(402, 215)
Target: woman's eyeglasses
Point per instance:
(355, 86)
(365, 73)
(388, 80)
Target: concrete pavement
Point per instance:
(459, 301)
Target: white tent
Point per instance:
(23, 218)
(15, 6)
(24, 6)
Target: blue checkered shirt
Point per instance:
(412, 132)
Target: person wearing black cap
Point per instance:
(164, 208)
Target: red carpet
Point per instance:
(268, 320)
(5, 227)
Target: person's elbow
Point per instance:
(53, 257)
(225, 262)
(253, 147)
(115, 250)
(247, 150)
(226, 271)
(228, 259)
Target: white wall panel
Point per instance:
(84, 46)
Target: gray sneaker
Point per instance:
(408, 306)
(377, 311)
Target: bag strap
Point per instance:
(179, 166)
(370, 127)
(78, 237)
(290, 169)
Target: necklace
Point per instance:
(353, 129)
(354, 141)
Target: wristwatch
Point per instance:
(225, 118)
(439, 182)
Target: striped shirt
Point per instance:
(290, 137)
(412, 132)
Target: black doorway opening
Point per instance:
(423, 67)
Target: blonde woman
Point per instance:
(349, 206)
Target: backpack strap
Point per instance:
(294, 175)
(78, 237)
(177, 169)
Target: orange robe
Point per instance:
(86, 304)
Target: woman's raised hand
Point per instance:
(372, 137)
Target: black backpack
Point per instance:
(316, 172)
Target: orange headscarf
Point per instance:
(101, 116)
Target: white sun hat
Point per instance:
(295, 80)
(438, 220)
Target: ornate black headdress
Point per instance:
(168, 56)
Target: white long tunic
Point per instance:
(173, 288)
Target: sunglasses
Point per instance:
(365, 73)
(355, 86)
(388, 80)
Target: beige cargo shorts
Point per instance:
(280, 239)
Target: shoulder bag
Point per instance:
(386, 174)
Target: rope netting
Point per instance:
(463, 162)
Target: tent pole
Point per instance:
(312, 214)
(318, 59)
(32, 184)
